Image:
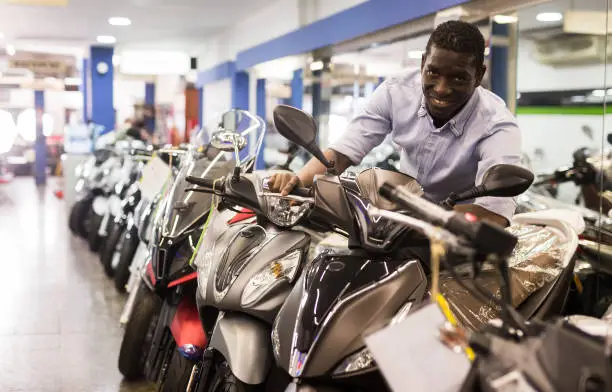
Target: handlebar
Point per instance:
(202, 182)
(486, 237)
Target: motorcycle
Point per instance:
(512, 353)
(169, 281)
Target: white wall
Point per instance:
(534, 76)
(275, 20)
(217, 100)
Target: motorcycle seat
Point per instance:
(370, 180)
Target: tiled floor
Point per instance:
(59, 329)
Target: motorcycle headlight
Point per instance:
(283, 269)
(360, 361)
(285, 212)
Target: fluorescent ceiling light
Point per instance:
(106, 39)
(119, 21)
(415, 54)
(598, 93)
(505, 19)
(549, 17)
(316, 66)
(10, 50)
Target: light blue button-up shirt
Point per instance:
(452, 158)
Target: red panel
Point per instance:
(184, 279)
(243, 215)
(186, 326)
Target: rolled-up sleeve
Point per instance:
(369, 128)
(503, 145)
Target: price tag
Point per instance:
(154, 176)
(411, 356)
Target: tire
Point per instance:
(128, 250)
(138, 334)
(110, 247)
(178, 374)
(78, 213)
(224, 381)
(93, 238)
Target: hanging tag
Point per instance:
(154, 176)
(412, 357)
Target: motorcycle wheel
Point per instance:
(93, 238)
(178, 374)
(76, 221)
(128, 250)
(224, 381)
(107, 255)
(139, 332)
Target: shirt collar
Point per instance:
(457, 123)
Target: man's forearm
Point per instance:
(314, 167)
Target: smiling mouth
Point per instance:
(441, 102)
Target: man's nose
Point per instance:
(442, 88)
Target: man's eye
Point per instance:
(460, 79)
(431, 73)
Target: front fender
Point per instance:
(245, 343)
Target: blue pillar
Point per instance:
(150, 104)
(297, 89)
(84, 89)
(240, 90)
(260, 164)
(499, 60)
(40, 167)
(201, 107)
(102, 109)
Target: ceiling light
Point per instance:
(106, 39)
(549, 17)
(505, 19)
(598, 93)
(10, 50)
(316, 66)
(119, 21)
(415, 54)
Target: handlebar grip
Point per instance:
(203, 182)
(301, 191)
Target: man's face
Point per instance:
(449, 79)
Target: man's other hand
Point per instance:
(283, 182)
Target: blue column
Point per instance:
(499, 59)
(102, 109)
(201, 107)
(150, 104)
(84, 89)
(297, 89)
(240, 90)
(40, 149)
(260, 164)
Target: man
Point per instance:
(137, 131)
(449, 128)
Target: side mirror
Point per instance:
(300, 128)
(500, 180)
(228, 141)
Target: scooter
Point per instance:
(169, 276)
(512, 353)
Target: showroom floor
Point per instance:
(59, 329)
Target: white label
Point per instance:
(411, 357)
(154, 176)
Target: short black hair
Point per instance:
(460, 37)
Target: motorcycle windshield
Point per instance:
(186, 209)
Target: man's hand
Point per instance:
(283, 182)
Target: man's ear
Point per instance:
(480, 74)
